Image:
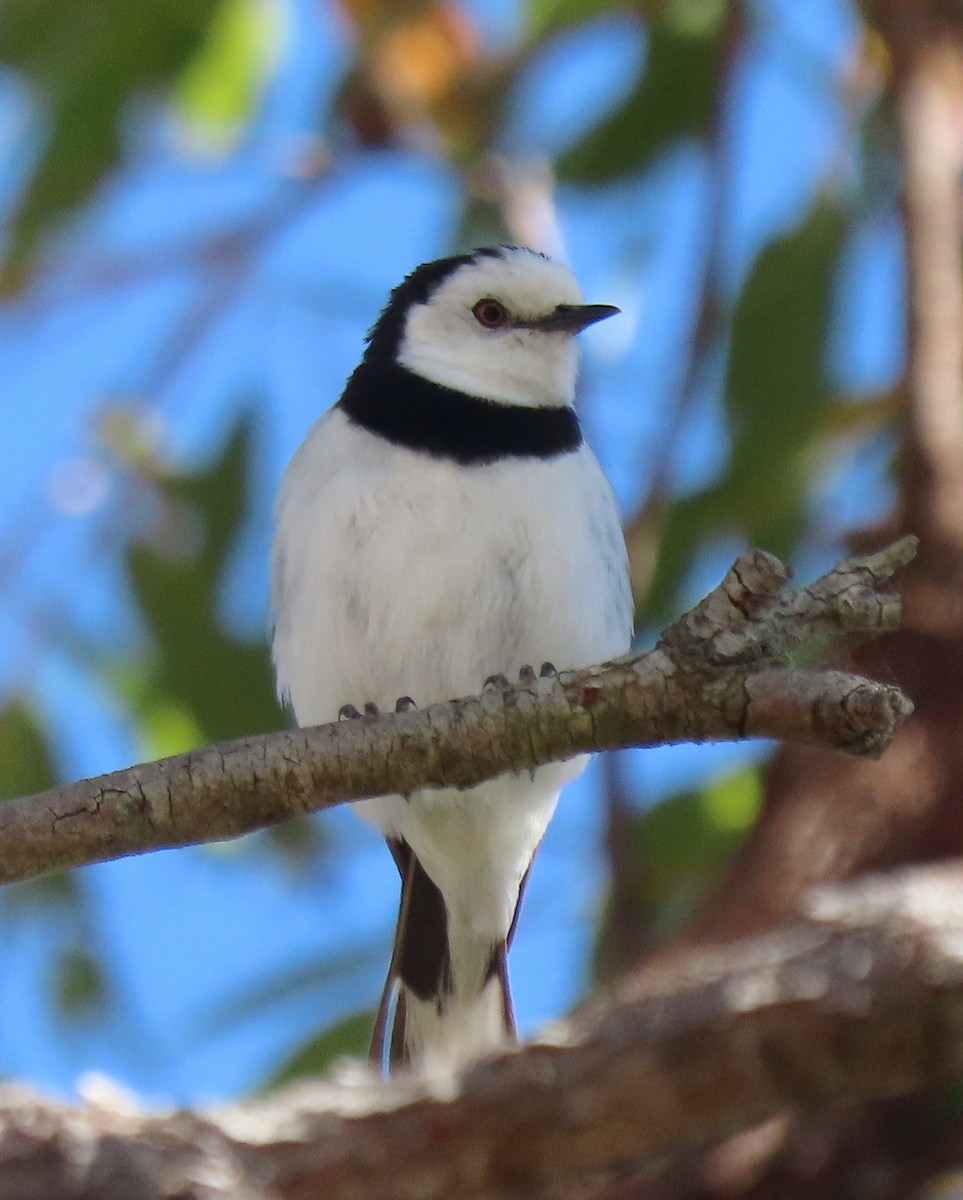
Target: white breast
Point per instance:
(397, 574)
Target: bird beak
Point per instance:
(570, 318)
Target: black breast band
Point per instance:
(408, 410)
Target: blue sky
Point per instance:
(181, 931)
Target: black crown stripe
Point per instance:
(408, 410)
(385, 335)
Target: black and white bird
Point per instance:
(445, 522)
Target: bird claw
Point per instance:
(500, 682)
(348, 712)
(548, 670)
(404, 704)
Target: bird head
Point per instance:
(498, 323)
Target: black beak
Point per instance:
(571, 318)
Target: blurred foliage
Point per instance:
(689, 837)
(302, 981)
(679, 848)
(219, 86)
(675, 97)
(25, 763)
(200, 683)
(420, 73)
(348, 1037)
(78, 985)
(549, 16)
(87, 63)
(777, 394)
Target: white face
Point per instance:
(446, 342)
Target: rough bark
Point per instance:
(719, 672)
(861, 997)
(825, 819)
(829, 819)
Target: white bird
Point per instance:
(445, 522)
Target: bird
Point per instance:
(445, 523)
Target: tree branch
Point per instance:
(720, 672)
(863, 997)
(824, 819)
(926, 44)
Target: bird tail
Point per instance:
(440, 1014)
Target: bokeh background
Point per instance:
(204, 205)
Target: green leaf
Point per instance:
(776, 383)
(218, 88)
(675, 98)
(78, 986)
(349, 1036)
(200, 684)
(59, 892)
(689, 524)
(730, 802)
(26, 766)
(297, 846)
(693, 831)
(25, 760)
(549, 16)
(87, 61)
(683, 843)
(777, 396)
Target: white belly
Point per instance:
(477, 844)
(400, 575)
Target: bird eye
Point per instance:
(490, 313)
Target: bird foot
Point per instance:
(526, 676)
(348, 712)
